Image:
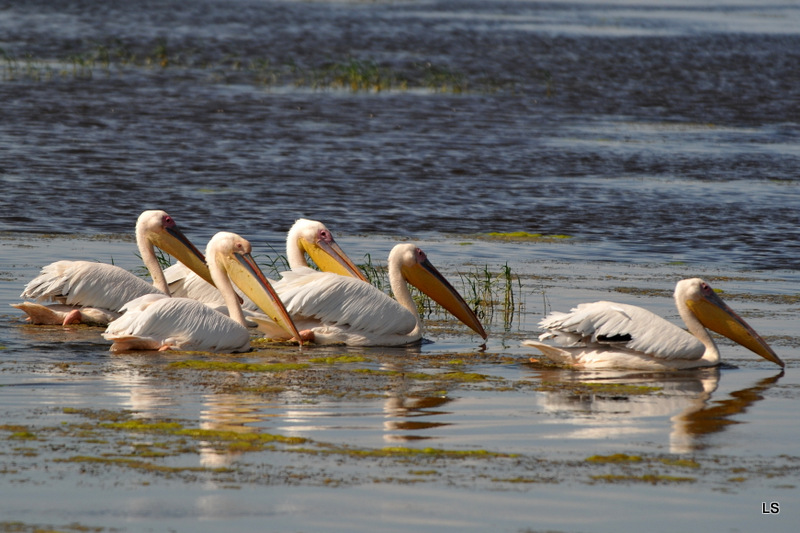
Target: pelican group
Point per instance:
(305, 238)
(613, 335)
(160, 322)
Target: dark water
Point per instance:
(651, 131)
(663, 138)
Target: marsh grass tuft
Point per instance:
(356, 74)
(274, 263)
(487, 291)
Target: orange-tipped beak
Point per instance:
(715, 314)
(426, 278)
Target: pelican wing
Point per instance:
(183, 283)
(334, 300)
(180, 323)
(86, 283)
(609, 324)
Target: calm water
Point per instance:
(662, 139)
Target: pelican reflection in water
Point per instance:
(602, 405)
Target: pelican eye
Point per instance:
(167, 221)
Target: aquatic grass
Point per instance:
(246, 441)
(360, 75)
(653, 479)
(454, 377)
(163, 258)
(356, 74)
(233, 366)
(485, 291)
(23, 435)
(143, 426)
(524, 236)
(442, 79)
(404, 452)
(683, 463)
(342, 359)
(137, 464)
(275, 262)
(377, 275)
(614, 458)
(166, 448)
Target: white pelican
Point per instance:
(94, 293)
(305, 237)
(339, 309)
(161, 323)
(613, 335)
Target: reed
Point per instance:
(274, 263)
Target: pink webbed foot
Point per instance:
(73, 317)
(307, 335)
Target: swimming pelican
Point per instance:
(161, 323)
(305, 237)
(339, 309)
(613, 335)
(94, 293)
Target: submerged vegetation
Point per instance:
(525, 236)
(102, 443)
(350, 73)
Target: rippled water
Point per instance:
(666, 130)
(662, 139)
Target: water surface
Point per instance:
(662, 140)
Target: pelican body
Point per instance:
(95, 293)
(305, 237)
(160, 323)
(613, 335)
(333, 309)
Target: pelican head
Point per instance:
(419, 272)
(316, 240)
(158, 228)
(715, 314)
(233, 254)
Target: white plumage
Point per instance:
(87, 284)
(95, 293)
(346, 310)
(342, 310)
(155, 322)
(613, 335)
(175, 323)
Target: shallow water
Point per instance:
(662, 140)
(722, 441)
